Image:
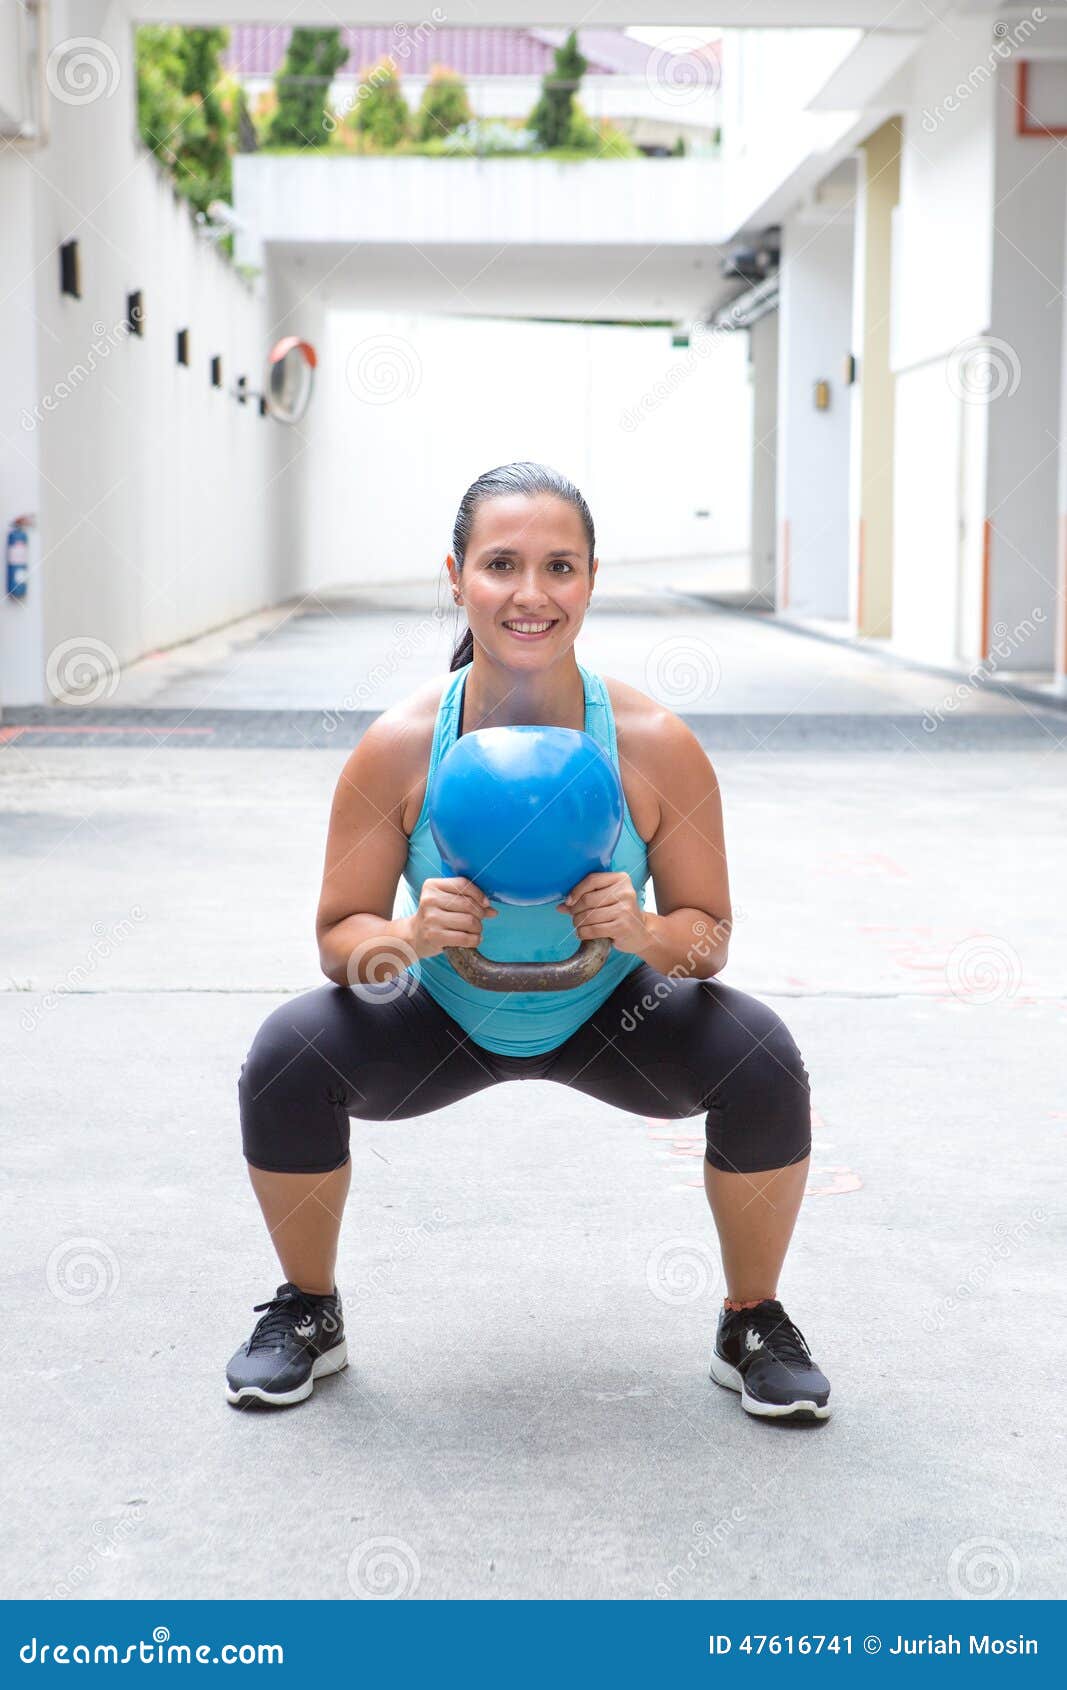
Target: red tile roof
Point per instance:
(258, 50)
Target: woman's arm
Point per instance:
(366, 849)
(689, 932)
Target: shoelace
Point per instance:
(788, 1341)
(277, 1323)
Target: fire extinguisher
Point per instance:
(18, 557)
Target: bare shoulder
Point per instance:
(399, 741)
(656, 752)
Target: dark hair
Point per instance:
(521, 477)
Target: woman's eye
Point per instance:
(559, 562)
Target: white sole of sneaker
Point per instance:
(724, 1373)
(332, 1362)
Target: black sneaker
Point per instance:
(760, 1353)
(300, 1338)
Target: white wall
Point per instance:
(518, 201)
(769, 76)
(942, 285)
(815, 319)
(769, 72)
(467, 395)
(21, 620)
(1030, 227)
(152, 488)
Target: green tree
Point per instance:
(381, 112)
(303, 83)
(444, 105)
(187, 109)
(551, 118)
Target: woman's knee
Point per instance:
(292, 1092)
(759, 1116)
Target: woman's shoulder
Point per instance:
(644, 722)
(404, 736)
(656, 750)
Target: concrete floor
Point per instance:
(524, 1414)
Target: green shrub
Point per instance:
(303, 83)
(582, 134)
(444, 106)
(187, 109)
(551, 117)
(615, 143)
(381, 112)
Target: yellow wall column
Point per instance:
(871, 538)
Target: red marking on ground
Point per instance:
(873, 927)
(844, 1180)
(162, 733)
(889, 865)
(869, 862)
(830, 1179)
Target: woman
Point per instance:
(400, 1033)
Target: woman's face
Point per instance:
(527, 562)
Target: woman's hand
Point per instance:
(605, 906)
(450, 913)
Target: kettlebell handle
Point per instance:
(479, 970)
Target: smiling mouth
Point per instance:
(524, 629)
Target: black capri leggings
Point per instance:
(660, 1047)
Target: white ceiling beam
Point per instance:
(849, 14)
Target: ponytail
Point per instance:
(464, 652)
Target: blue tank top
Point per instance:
(520, 1023)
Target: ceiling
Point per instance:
(592, 283)
(887, 15)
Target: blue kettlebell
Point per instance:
(526, 812)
